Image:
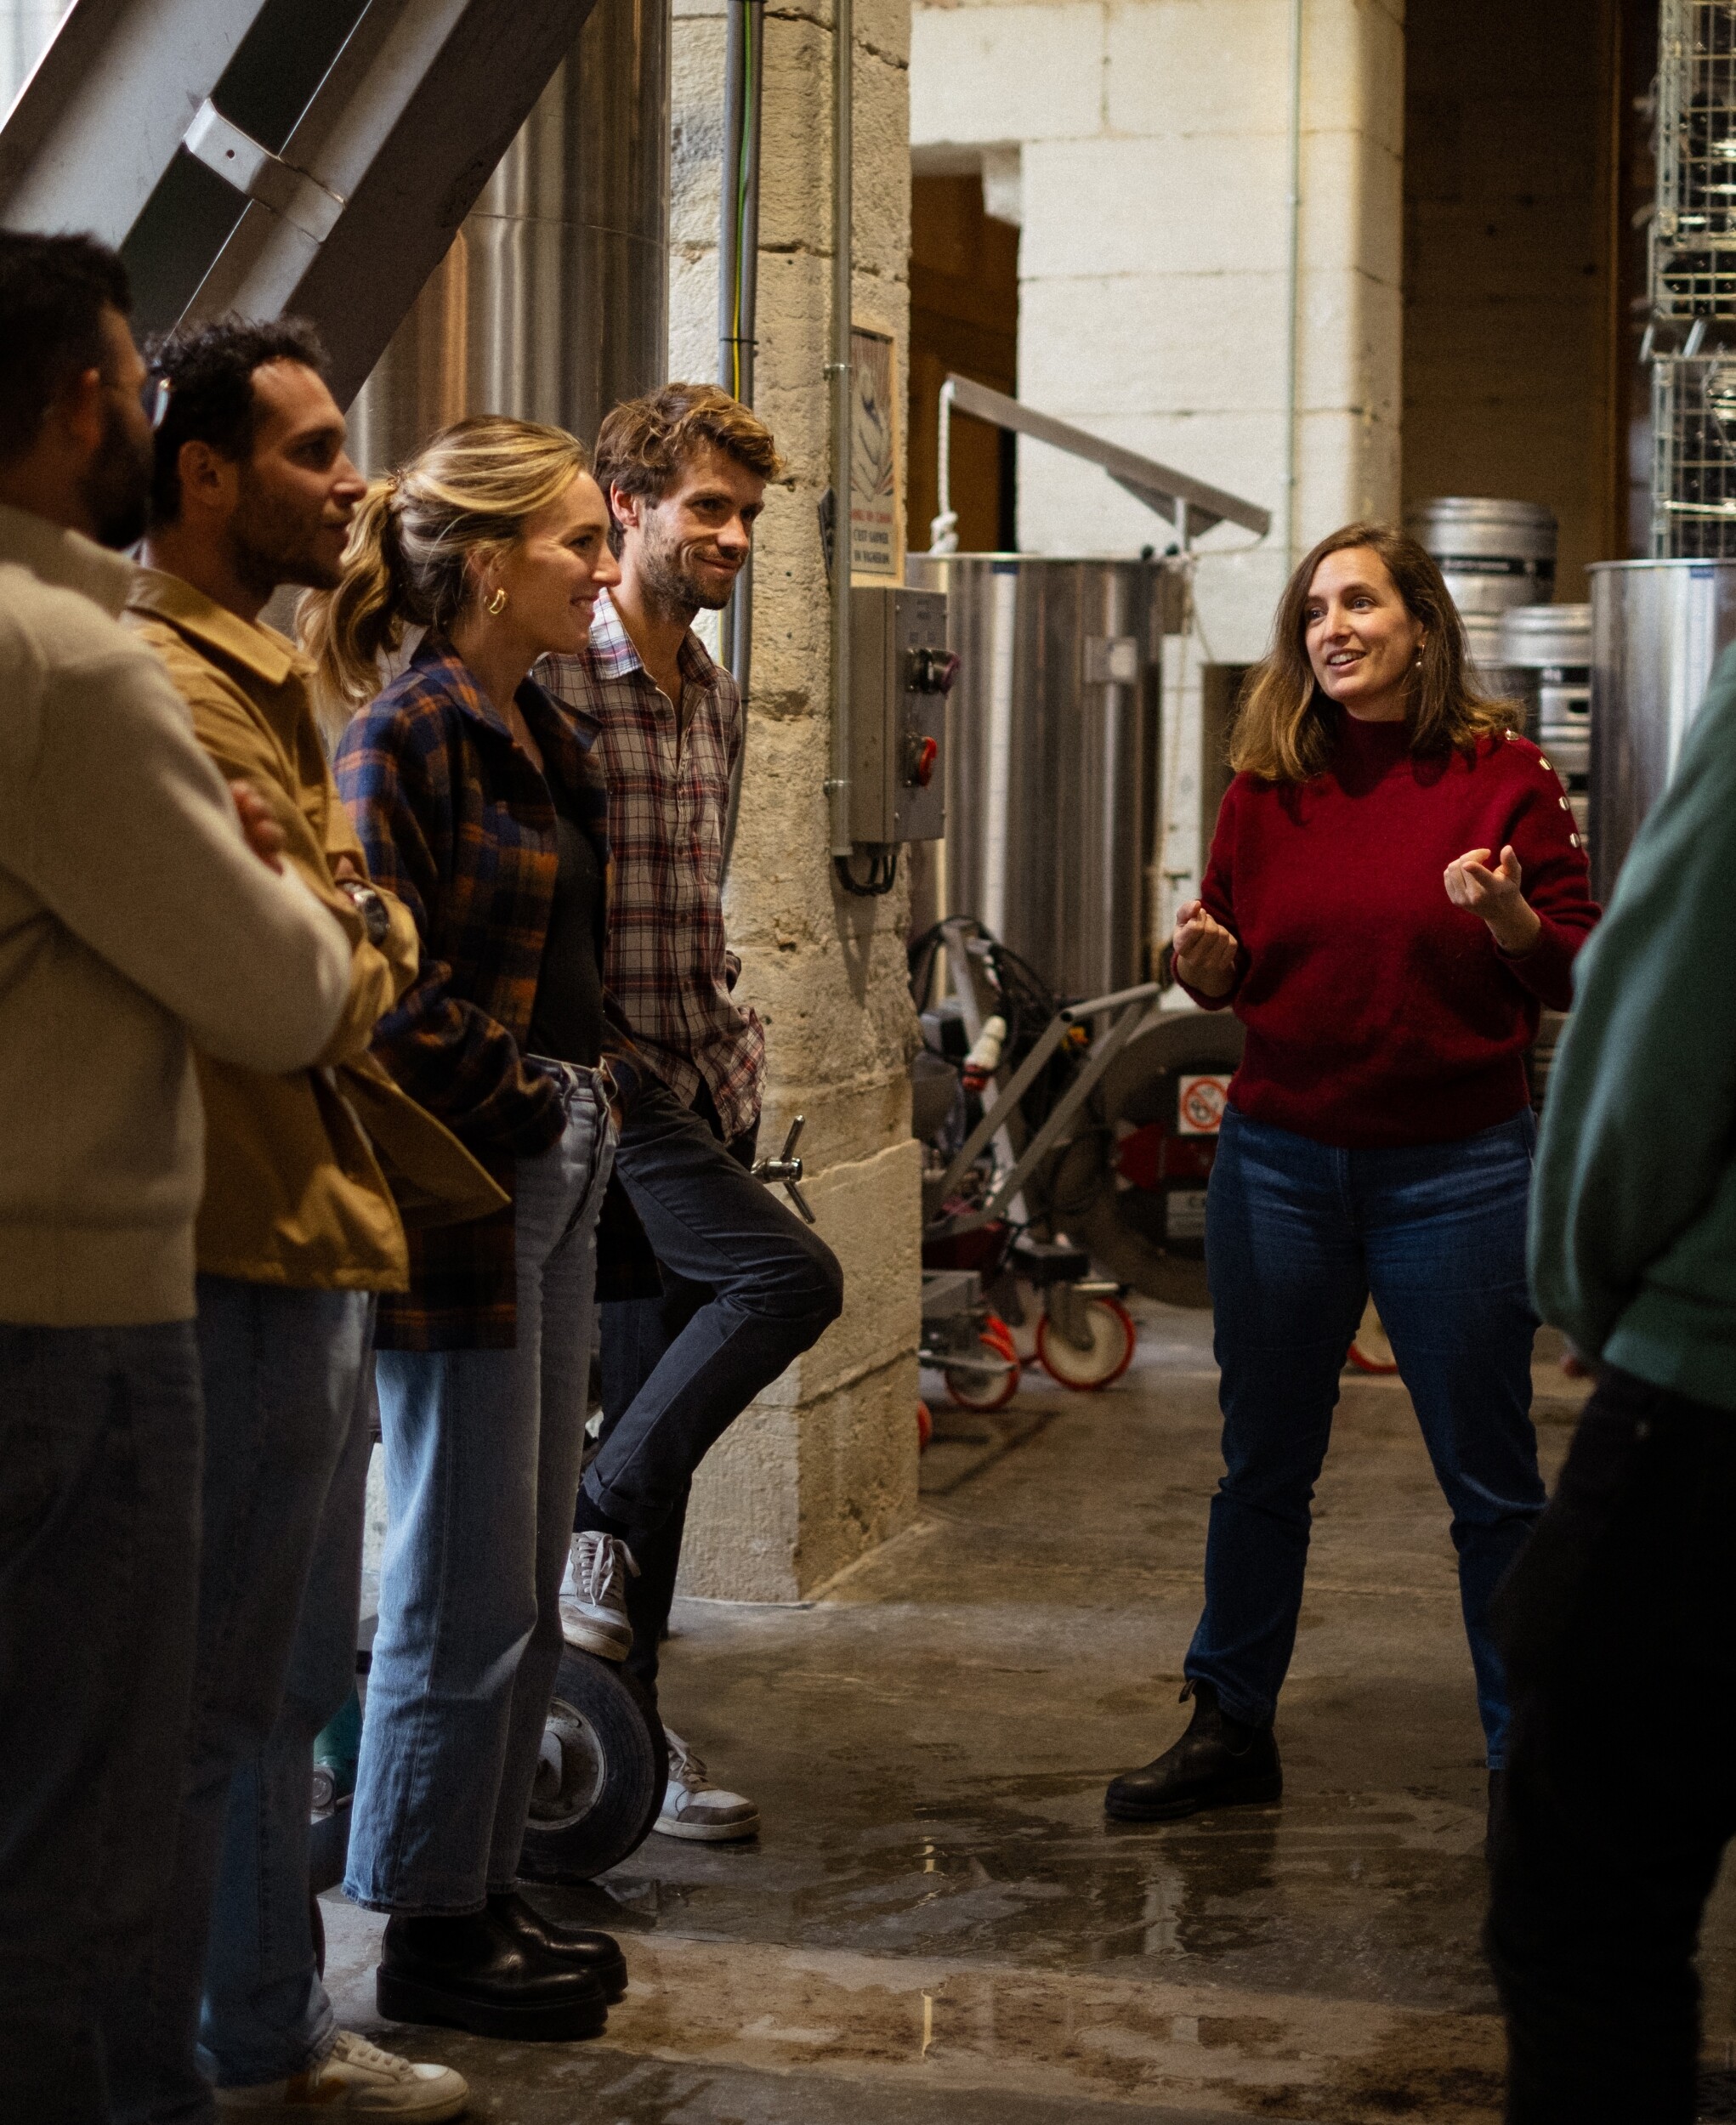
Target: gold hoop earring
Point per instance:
(497, 604)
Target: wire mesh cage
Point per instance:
(1694, 233)
(1693, 474)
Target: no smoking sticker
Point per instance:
(1199, 1104)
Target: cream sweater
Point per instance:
(132, 916)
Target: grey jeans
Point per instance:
(99, 1445)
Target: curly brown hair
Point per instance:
(644, 443)
(1284, 725)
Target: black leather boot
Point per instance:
(478, 1973)
(1218, 1763)
(598, 1954)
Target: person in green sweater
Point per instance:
(1612, 1827)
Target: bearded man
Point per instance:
(709, 1287)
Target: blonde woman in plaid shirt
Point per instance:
(709, 1287)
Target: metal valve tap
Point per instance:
(785, 1169)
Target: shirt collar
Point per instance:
(614, 657)
(67, 559)
(258, 649)
(435, 657)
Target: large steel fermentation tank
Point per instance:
(1658, 627)
(552, 303)
(1052, 756)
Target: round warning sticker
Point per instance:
(1199, 1104)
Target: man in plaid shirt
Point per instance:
(709, 1287)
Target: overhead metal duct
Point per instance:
(265, 155)
(552, 303)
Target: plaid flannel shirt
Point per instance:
(456, 822)
(668, 961)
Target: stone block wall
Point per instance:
(1153, 145)
(825, 1466)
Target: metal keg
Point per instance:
(1483, 657)
(1548, 650)
(1493, 555)
(1658, 627)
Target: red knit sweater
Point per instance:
(1378, 1012)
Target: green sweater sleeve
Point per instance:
(1633, 1226)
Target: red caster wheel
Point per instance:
(987, 1391)
(1109, 1354)
(1369, 1351)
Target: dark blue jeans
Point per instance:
(748, 1288)
(99, 1446)
(1298, 1235)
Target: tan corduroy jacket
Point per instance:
(308, 1177)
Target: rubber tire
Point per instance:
(627, 1735)
(969, 1390)
(1048, 1346)
(1181, 1040)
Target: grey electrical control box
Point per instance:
(901, 671)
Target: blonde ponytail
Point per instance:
(464, 496)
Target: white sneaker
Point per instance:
(694, 1807)
(594, 1596)
(356, 2079)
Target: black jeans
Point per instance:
(1618, 1626)
(746, 1289)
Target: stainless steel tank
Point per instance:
(1052, 755)
(1658, 627)
(1493, 554)
(552, 303)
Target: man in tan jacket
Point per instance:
(301, 1226)
(132, 914)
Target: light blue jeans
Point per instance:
(483, 1450)
(280, 1369)
(266, 2015)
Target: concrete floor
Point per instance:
(937, 1924)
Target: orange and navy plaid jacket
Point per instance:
(457, 822)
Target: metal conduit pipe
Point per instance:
(738, 284)
(838, 370)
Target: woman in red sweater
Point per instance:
(1395, 886)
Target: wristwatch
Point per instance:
(371, 906)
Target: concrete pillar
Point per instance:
(1152, 139)
(826, 1466)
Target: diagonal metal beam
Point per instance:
(1160, 487)
(100, 120)
(267, 155)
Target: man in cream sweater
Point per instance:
(134, 919)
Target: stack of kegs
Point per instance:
(1499, 561)
(1547, 652)
(1497, 556)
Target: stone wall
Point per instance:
(825, 1466)
(1145, 146)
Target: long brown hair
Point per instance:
(465, 495)
(1285, 725)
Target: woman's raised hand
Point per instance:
(1205, 951)
(1496, 896)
